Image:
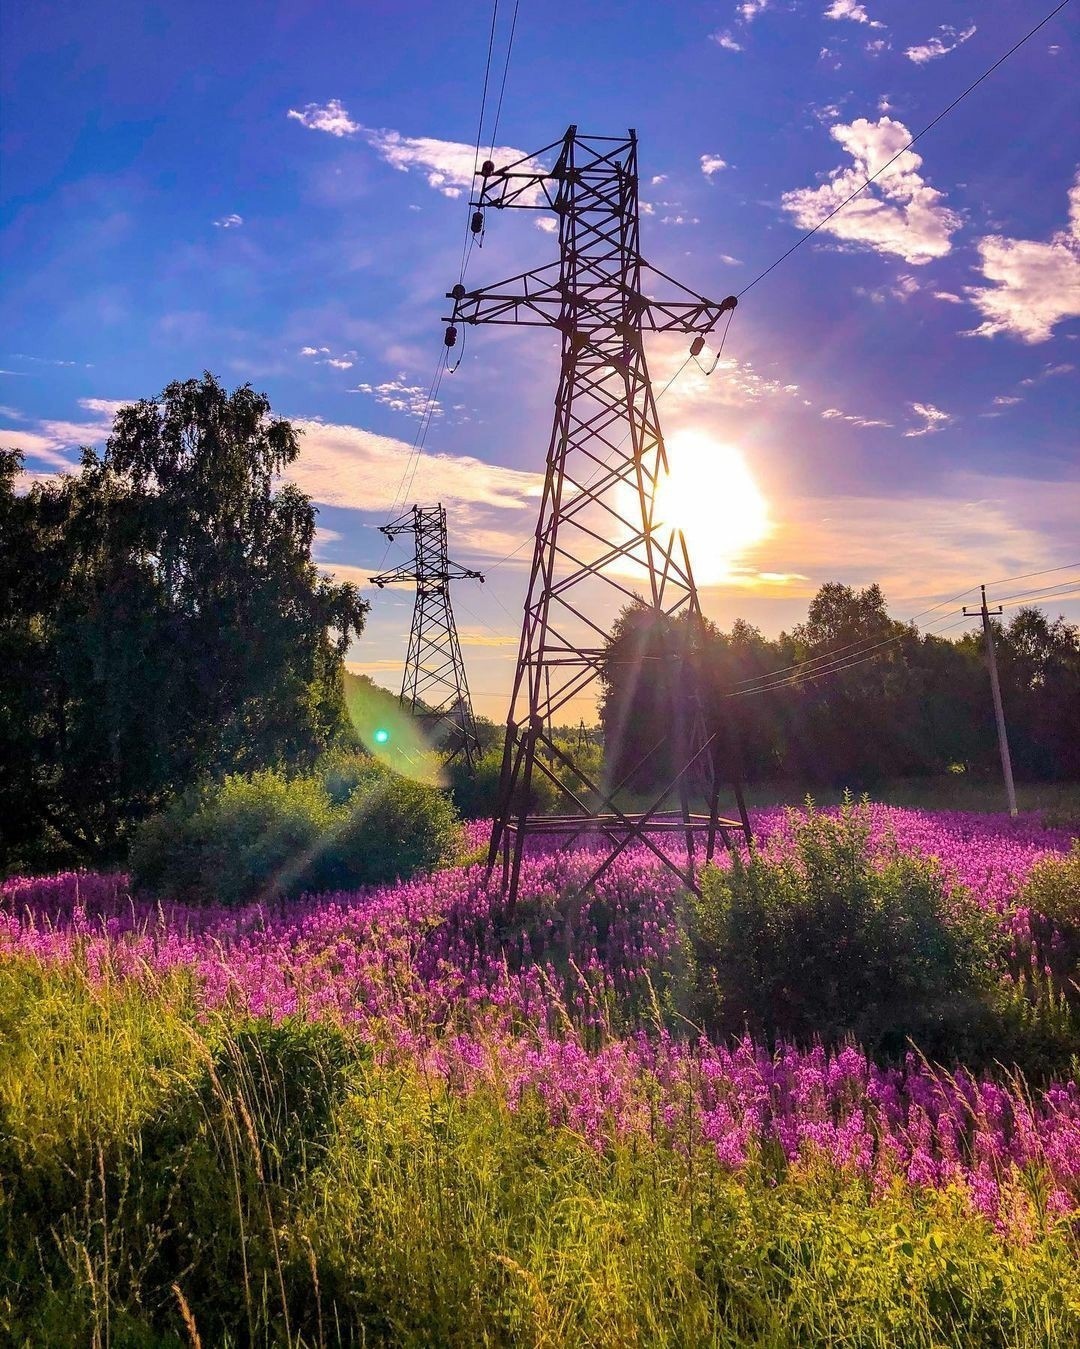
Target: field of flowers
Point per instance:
(565, 1015)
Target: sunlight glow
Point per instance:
(710, 495)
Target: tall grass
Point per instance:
(169, 1176)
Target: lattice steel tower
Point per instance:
(597, 529)
(434, 688)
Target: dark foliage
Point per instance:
(162, 622)
(908, 705)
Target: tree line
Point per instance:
(893, 703)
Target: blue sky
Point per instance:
(277, 192)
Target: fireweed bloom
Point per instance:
(559, 1006)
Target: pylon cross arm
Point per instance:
(532, 300)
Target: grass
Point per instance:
(949, 792)
(172, 1178)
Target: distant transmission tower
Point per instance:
(597, 530)
(434, 688)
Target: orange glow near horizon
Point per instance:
(710, 494)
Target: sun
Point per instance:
(710, 494)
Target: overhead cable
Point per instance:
(904, 149)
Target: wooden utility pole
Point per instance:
(995, 687)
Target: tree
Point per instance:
(163, 622)
(1039, 661)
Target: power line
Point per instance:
(835, 668)
(466, 246)
(506, 68)
(826, 662)
(1043, 592)
(1019, 604)
(408, 474)
(878, 172)
(1026, 576)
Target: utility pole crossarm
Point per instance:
(420, 568)
(538, 299)
(408, 572)
(995, 688)
(600, 168)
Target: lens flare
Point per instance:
(392, 735)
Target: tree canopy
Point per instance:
(162, 621)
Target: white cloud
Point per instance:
(750, 9)
(323, 537)
(878, 45)
(1048, 372)
(734, 384)
(448, 166)
(330, 117)
(903, 288)
(851, 9)
(939, 46)
(730, 261)
(1033, 286)
(657, 179)
(932, 418)
(105, 407)
(229, 222)
(474, 637)
(1007, 400)
(711, 164)
(40, 360)
(347, 466)
(401, 397)
(947, 296)
(323, 356)
(899, 213)
(548, 224)
(835, 414)
(726, 41)
(40, 445)
(825, 112)
(680, 220)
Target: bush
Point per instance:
(476, 790)
(830, 941)
(264, 837)
(1051, 893)
(388, 827)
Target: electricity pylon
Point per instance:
(598, 530)
(434, 688)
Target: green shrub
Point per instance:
(1053, 888)
(830, 941)
(476, 790)
(352, 822)
(387, 827)
(1052, 894)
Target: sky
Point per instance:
(278, 193)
